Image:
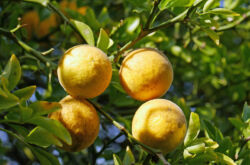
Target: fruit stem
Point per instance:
(129, 135)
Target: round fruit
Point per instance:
(47, 25)
(160, 124)
(146, 74)
(84, 71)
(81, 120)
(31, 20)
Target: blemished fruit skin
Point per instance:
(80, 118)
(84, 71)
(146, 74)
(160, 124)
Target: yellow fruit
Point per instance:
(31, 20)
(67, 4)
(81, 120)
(146, 74)
(160, 124)
(84, 71)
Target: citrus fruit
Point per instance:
(31, 20)
(80, 118)
(146, 74)
(84, 71)
(47, 25)
(160, 124)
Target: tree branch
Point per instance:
(27, 48)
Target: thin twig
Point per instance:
(27, 48)
(52, 7)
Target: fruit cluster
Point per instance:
(146, 74)
(41, 28)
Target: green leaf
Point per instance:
(117, 160)
(12, 72)
(187, 155)
(25, 113)
(164, 4)
(246, 112)
(25, 93)
(209, 143)
(45, 107)
(128, 157)
(20, 129)
(42, 138)
(85, 31)
(7, 101)
(237, 123)
(41, 2)
(223, 11)
(44, 157)
(197, 148)
(224, 159)
(213, 132)
(52, 126)
(209, 4)
(103, 40)
(213, 35)
(193, 128)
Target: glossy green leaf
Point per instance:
(187, 155)
(238, 123)
(45, 107)
(25, 93)
(223, 11)
(128, 157)
(103, 40)
(197, 148)
(41, 2)
(91, 19)
(213, 35)
(12, 72)
(25, 113)
(52, 126)
(85, 31)
(213, 132)
(42, 138)
(117, 160)
(246, 112)
(209, 143)
(8, 100)
(44, 157)
(224, 159)
(209, 4)
(164, 4)
(193, 128)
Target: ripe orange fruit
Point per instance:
(160, 124)
(146, 74)
(80, 118)
(31, 20)
(84, 71)
(47, 25)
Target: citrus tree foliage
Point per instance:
(207, 42)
